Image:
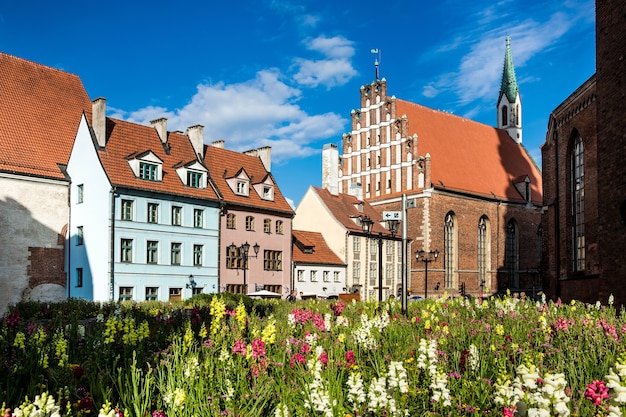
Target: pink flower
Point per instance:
(240, 347)
(297, 358)
(323, 358)
(596, 392)
(258, 348)
(349, 359)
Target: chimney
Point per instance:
(330, 168)
(265, 154)
(218, 144)
(160, 125)
(196, 137)
(99, 120)
(356, 190)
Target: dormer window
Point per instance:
(194, 179)
(148, 171)
(242, 188)
(268, 193)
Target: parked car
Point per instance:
(416, 298)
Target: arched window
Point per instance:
(483, 258)
(504, 110)
(578, 204)
(449, 258)
(512, 254)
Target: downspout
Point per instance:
(68, 251)
(112, 269)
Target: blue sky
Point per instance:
(287, 73)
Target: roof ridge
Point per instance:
(17, 58)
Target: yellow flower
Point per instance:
(499, 329)
(20, 338)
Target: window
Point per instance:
(196, 290)
(482, 253)
(373, 252)
(511, 257)
(279, 227)
(152, 255)
(578, 205)
(79, 277)
(250, 223)
(300, 274)
(267, 226)
(127, 250)
(197, 255)
(127, 210)
(373, 270)
(126, 294)
(313, 275)
(234, 260)
(175, 294)
(152, 293)
(235, 288)
(389, 270)
(242, 188)
(198, 218)
(231, 221)
(153, 213)
(148, 171)
(356, 245)
(177, 215)
(194, 179)
(273, 260)
(326, 276)
(336, 276)
(79, 236)
(79, 193)
(267, 193)
(356, 271)
(176, 253)
(389, 247)
(449, 251)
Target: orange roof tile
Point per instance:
(345, 208)
(224, 164)
(321, 253)
(126, 139)
(469, 156)
(40, 110)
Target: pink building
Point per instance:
(255, 217)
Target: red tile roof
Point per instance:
(40, 110)
(321, 253)
(224, 164)
(345, 208)
(469, 156)
(126, 139)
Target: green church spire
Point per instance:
(509, 84)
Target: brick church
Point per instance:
(471, 192)
(585, 176)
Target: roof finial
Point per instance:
(509, 83)
(377, 60)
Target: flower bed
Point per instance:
(230, 356)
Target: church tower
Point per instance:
(509, 103)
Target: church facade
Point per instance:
(467, 191)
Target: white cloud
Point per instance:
(259, 112)
(333, 70)
(480, 69)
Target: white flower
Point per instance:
(611, 299)
(281, 411)
(356, 394)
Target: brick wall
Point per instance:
(46, 266)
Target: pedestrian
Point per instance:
(292, 296)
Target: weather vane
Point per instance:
(377, 60)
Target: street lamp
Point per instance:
(244, 254)
(367, 224)
(426, 257)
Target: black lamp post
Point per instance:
(367, 224)
(426, 257)
(244, 254)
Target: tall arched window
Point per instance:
(449, 251)
(504, 110)
(512, 254)
(578, 204)
(483, 258)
